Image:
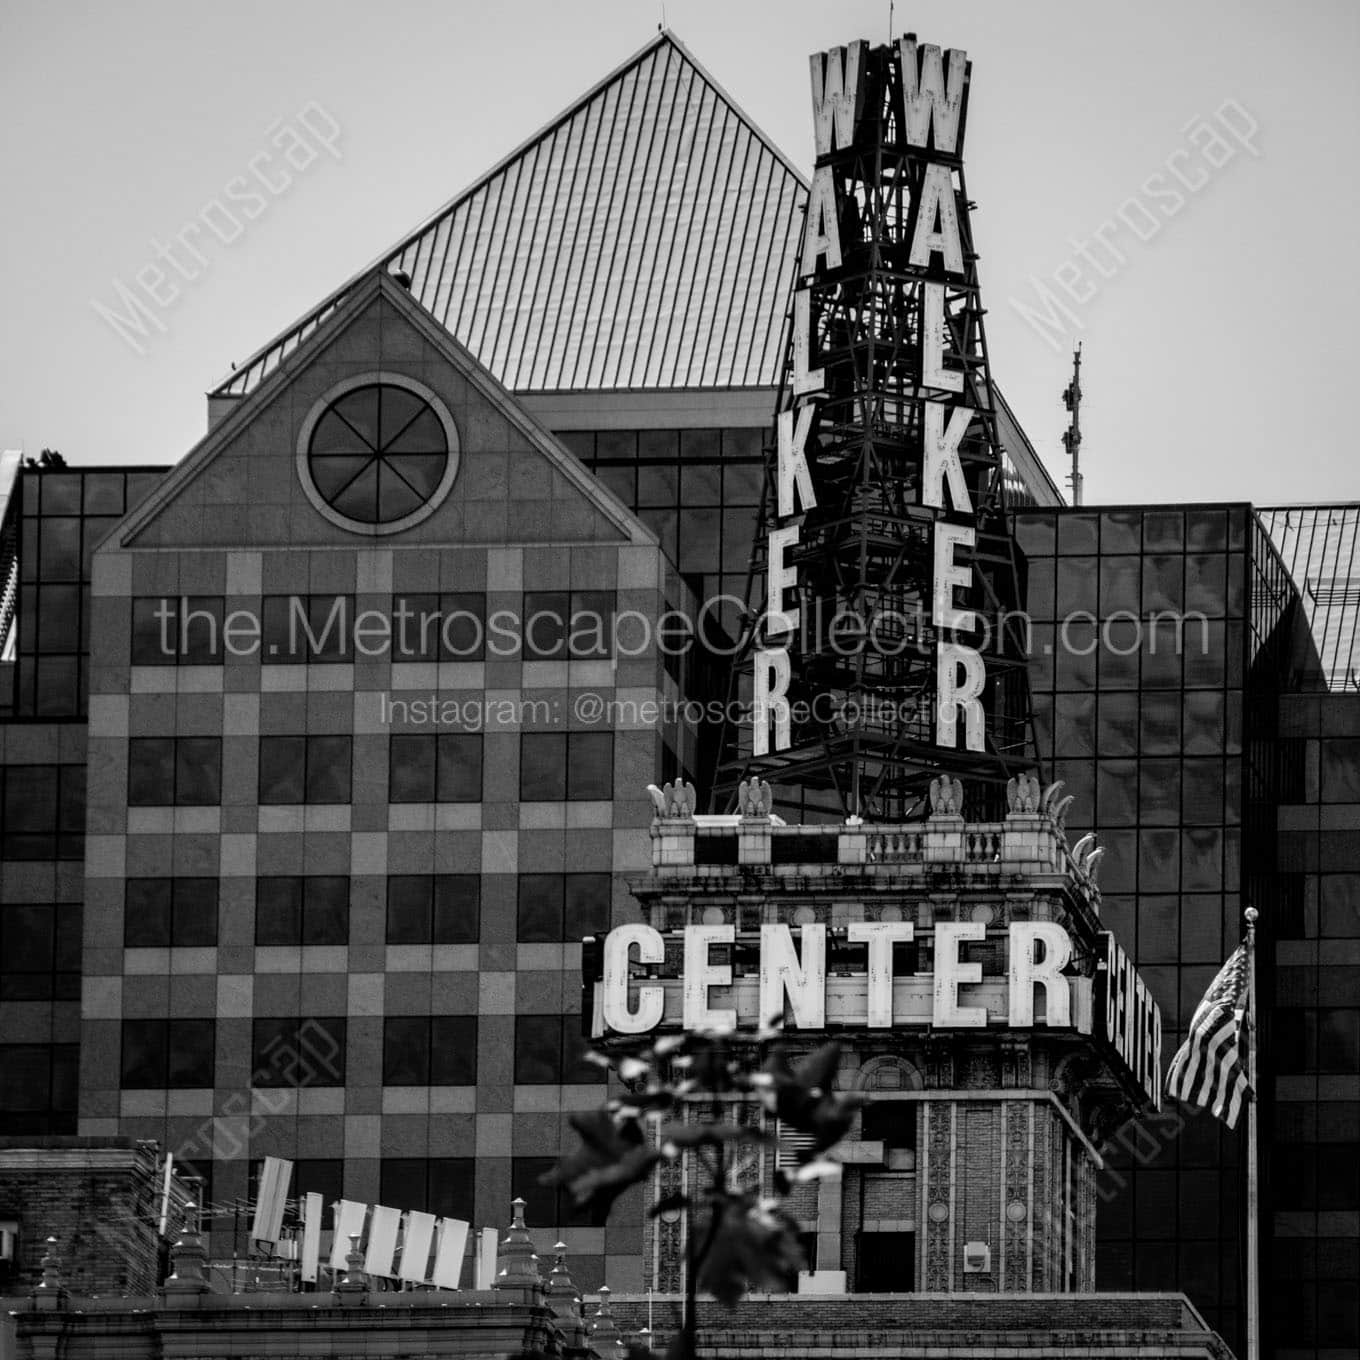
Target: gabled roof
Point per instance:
(379, 302)
(643, 239)
(1320, 546)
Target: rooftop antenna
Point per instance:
(890, 20)
(1072, 434)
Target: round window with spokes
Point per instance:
(378, 454)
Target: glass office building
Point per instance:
(284, 923)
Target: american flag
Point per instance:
(1210, 1067)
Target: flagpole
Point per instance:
(1253, 1196)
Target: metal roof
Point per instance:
(643, 239)
(1320, 545)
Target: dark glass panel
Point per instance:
(332, 475)
(408, 909)
(538, 1050)
(1204, 717)
(700, 445)
(542, 766)
(1119, 584)
(198, 771)
(147, 906)
(1118, 724)
(195, 913)
(359, 409)
(1159, 792)
(1206, 584)
(616, 445)
(621, 479)
(1077, 582)
(1163, 531)
(397, 497)
(332, 437)
(658, 485)
(546, 620)
(103, 492)
(59, 550)
(1201, 928)
(1117, 793)
(58, 618)
(190, 1055)
(701, 484)
(457, 909)
(460, 767)
(1160, 723)
(399, 410)
(1163, 587)
(144, 1054)
(590, 624)
(406, 1050)
(1121, 531)
(358, 500)
(411, 768)
(329, 768)
(590, 765)
(58, 693)
(1158, 861)
(452, 1183)
(540, 907)
(1202, 851)
(742, 485)
(151, 773)
(325, 909)
(453, 1050)
(278, 910)
(587, 906)
(1078, 533)
(1074, 719)
(282, 769)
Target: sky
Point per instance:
(1187, 172)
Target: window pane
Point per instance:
(462, 631)
(151, 773)
(143, 1054)
(457, 909)
(403, 1183)
(154, 630)
(545, 622)
(25, 1078)
(411, 768)
(575, 1068)
(282, 763)
(200, 641)
(278, 910)
(590, 765)
(538, 1052)
(586, 910)
(190, 1060)
(408, 909)
(146, 913)
(406, 1051)
(328, 769)
(542, 766)
(453, 1050)
(452, 1187)
(195, 913)
(198, 771)
(460, 768)
(540, 907)
(325, 909)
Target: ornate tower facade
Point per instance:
(962, 963)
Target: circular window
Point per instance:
(378, 454)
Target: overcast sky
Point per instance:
(1219, 331)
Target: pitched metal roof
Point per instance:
(1320, 545)
(644, 239)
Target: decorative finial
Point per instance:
(353, 1287)
(188, 1257)
(517, 1262)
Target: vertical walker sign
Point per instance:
(917, 361)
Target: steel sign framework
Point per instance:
(886, 406)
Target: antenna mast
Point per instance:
(1072, 434)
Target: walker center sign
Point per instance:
(811, 977)
(926, 121)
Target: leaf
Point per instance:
(756, 1245)
(612, 1157)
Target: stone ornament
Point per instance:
(754, 798)
(674, 800)
(946, 797)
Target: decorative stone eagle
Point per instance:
(946, 797)
(674, 800)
